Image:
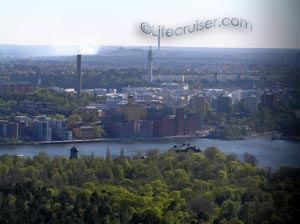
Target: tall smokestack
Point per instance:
(158, 41)
(79, 76)
(150, 65)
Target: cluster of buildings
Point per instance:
(221, 101)
(137, 112)
(140, 112)
(145, 112)
(173, 95)
(155, 125)
(39, 128)
(15, 88)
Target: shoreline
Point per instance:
(187, 137)
(285, 138)
(79, 141)
(254, 135)
(258, 135)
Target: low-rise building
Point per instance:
(84, 132)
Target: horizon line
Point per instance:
(145, 46)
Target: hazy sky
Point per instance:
(276, 23)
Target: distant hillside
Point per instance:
(23, 51)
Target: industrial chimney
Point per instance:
(150, 65)
(79, 76)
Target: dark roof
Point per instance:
(74, 149)
(185, 147)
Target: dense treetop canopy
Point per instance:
(208, 187)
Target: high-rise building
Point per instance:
(223, 104)
(9, 129)
(79, 78)
(191, 123)
(164, 127)
(132, 112)
(145, 128)
(41, 131)
(269, 100)
(150, 65)
(180, 121)
(121, 130)
(13, 131)
(60, 130)
(199, 103)
(41, 128)
(251, 104)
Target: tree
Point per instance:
(229, 209)
(59, 117)
(172, 188)
(108, 158)
(99, 131)
(211, 152)
(201, 206)
(74, 118)
(148, 216)
(122, 153)
(248, 158)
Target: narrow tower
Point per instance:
(79, 76)
(158, 41)
(74, 153)
(238, 78)
(150, 65)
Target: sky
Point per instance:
(275, 23)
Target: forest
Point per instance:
(155, 187)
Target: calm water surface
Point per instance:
(273, 153)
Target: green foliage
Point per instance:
(93, 78)
(157, 188)
(260, 121)
(250, 159)
(74, 118)
(99, 131)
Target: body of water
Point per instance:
(273, 153)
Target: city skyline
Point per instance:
(117, 23)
